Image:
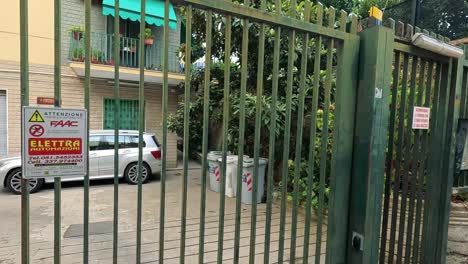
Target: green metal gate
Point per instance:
(419, 163)
(327, 43)
(345, 156)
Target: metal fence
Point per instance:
(417, 159)
(328, 240)
(345, 155)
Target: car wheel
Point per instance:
(131, 173)
(13, 182)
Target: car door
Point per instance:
(93, 160)
(128, 149)
(93, 156)
(106, 156)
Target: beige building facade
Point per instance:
(41, 74)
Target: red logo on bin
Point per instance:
(216, 173)
(248, 177)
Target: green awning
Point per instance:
(130, 9)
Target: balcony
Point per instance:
(102, 58)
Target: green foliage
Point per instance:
(318, 160)
(460, 197)
(448, 18)
(77, 53)
(176, 120)
(78, 29)
(303, 185)
(97, 54)
(148, 33)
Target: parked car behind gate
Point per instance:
(101, 160)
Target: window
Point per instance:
(132, 142)
(93, 142)
(151, 142)
(128, 28)
(128, 114)
(106, 143)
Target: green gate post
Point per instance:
(347, 79)
(370, 141)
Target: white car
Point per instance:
(101, 160)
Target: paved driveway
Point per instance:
(101, 208)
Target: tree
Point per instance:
(359, 7)
(448, 18)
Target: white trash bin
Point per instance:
(247, 180)
(231, 172)
(214, 169)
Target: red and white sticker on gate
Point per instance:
(54, 142)
(421, 116)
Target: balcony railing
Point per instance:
(102, 52)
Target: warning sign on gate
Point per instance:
(421, 117)
(54, 142)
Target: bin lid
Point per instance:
(231, 158)
(250, 162)
(214, 155)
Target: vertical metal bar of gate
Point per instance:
(399, 157)
(324, 136)
(390, 149)
(257, 136)
(87, 107)
(434, 139)
(164, 130)
(300, 128)
(407, 157)
(313, 133)
(422, 170)
(447, 182)
(24, 68)
(240, 159)
(115, 233)
(57, 103)
(227, 80)
(412, 167)
(287, 133)
(188, 72)
(272, 136)
(141, 127)
(206, 115)
(429, 253)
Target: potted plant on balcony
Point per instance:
(77, 32)
(96, 57)
(149, 37)
(77, 54)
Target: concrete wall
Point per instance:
(41, 84)
(41, 31)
